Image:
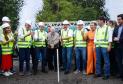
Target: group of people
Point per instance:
(103, 40)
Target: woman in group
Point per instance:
(91, 53)
(7, 49)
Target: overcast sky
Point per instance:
(114, 7)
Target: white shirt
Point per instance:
(70, 34)
(20, 33)
(36, 37)
(110, 35)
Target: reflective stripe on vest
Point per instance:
(7, 48)
(79, 39)
(42, 42)
(7, 51)
(26, 42)
(102, 37)
(69, 42)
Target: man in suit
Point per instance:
(118, 40)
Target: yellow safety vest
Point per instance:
(78, 39)
(7, 48)
(41, 41)
(102, 37)
(69, 42)
(26, 42)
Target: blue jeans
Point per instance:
(81, 52)
(41, 53)
(67, 58)
(102, 52)
(24, 55)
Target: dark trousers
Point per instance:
(41, 51)
(113, 64)
(119, 59)
(52, 58)
(34, 60)
(24, 56)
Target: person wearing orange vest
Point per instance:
(7, 45)
(91, 52)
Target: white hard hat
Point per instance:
(5, 18)
(5, 25)
(28, 22)
(41, 23)
(80, 22)
(65, 22)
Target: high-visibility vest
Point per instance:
(41, 41)
(102, 37)
(68, 42)
(26, 42)
(78, 39)
(7, 48)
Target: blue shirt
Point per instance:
(119, 31)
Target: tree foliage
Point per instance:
(59, 10)
(11, 9)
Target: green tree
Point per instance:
(11, 9)
(59, 10)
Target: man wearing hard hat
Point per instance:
(80, 46)
(67, 45)
(40, 38)
(24, 44)
(5, 19)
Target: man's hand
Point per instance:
(83, 33)
(32, 33)
(52, 46)
(116, 39)
(5, 42)
(11, 39)
(109, 48)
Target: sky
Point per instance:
(114, 7)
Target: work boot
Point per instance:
(66, 72)
(105, 78)
(44, 71)
(97, 75)
(21, 73)
(77, 71)
(28, 73)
